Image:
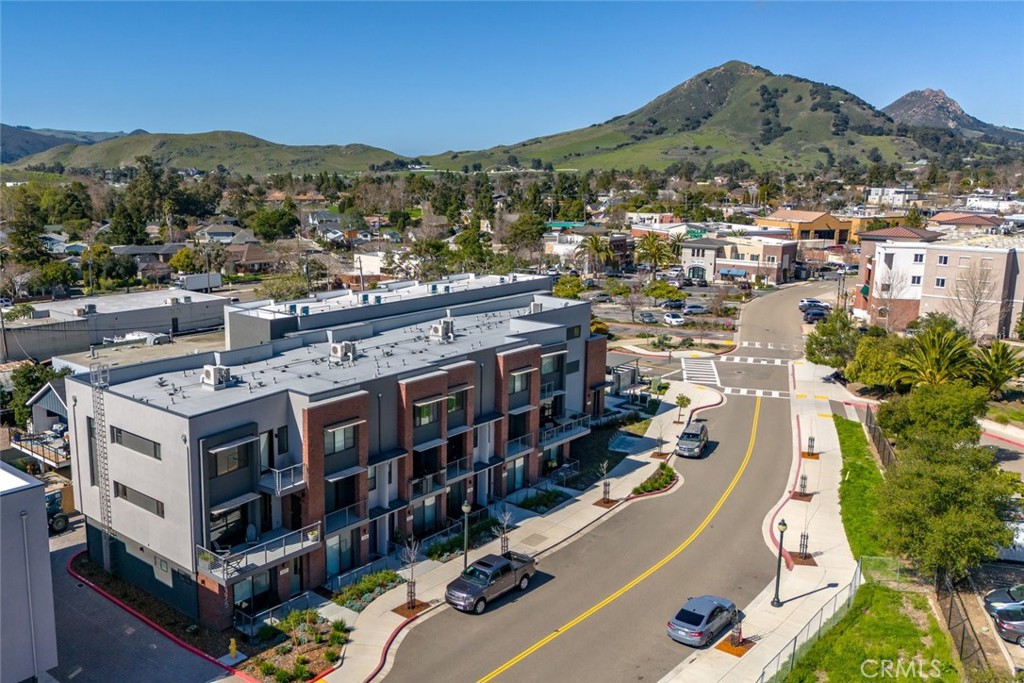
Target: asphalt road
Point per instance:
(624, 637)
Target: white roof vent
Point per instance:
(171, 301)
(443, 330)
(345, 350)
(216, 376)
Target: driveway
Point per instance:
(98, 642)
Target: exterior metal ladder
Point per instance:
(99, 376)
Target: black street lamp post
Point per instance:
(466, 507)
(778, 567)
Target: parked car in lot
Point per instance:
(814, 315)
(700, 619)
(673, 304)
(602, 298)
(743, 285)
(647, 318)
(590, 283)
(5, 302)
(685, 282)
(674, 319)
(489, 578)
(811, 303)
(1004, 598)
(692, 442)
(702, 283)
(1010, 624)
(695, 309)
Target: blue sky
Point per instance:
(424, 77)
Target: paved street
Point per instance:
(98, 642)
(566, 622)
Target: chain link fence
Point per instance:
(878, 438)
(831, 612)
(958, 621)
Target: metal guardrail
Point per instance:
(251, 624)
(569, 468)
(346, 516)
(228, 566)
(518, 445)
(283, 479)
(41, 446)
(831, 612)
(576, 426)
(427, 484)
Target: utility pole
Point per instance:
(3, 328)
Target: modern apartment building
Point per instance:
(330, 429)
(749, 259)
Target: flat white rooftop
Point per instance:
(14, 480)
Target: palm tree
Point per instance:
(675, 245)
(937, 358)
(995, 366)
(650, 249)
(595, 251)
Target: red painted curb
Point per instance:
(1003, 439)
(387, 645)
(156, 627)
(771, 530)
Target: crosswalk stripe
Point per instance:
(700, 370)
(753, 359)
(761, 393)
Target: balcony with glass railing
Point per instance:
(520, 444)
(426, 484)
(570, 429)
(283, 481)
(268, 550)
(460, 468)
(348, 516)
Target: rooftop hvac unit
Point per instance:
(293, 309)
(536, 307)
(216, 376)
(345, 350)
(304, 310)
(376, 298)
(80, 312)
(90, 309)
(186, 299)
(365, 298)
(443, 330)
(171, 301)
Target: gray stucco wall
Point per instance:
(22, 590)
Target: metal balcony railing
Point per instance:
(346, 516)
(284, 480)
(575, 427)
(49, 447)
(241, 560)
(460, 467)
(518, 445)
(426, 484)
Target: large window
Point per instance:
(90, 427)
(339, 439)
(425, 414)
(549, 364)
(371, 479)
(228, 528)
(572, 332)
(940, 283)
(230, 460)
(140, 499)
(518, 383)
(943, 260)
(457, 402)
(135, 442)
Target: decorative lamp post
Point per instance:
(778, 567)
(466, 507)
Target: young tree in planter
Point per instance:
(503, 525)
(410, 555)
(682, 402)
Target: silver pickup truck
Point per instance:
(488, 578)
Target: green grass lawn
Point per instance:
(859, 490)
(882, 624)
(592, 450)
(1006, 412)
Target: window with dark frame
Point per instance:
(572, 332)
(137, 443)
(457, 401)
(138, 499)
(518, 383)
(339, 439)
(425, 414)
(230, 460)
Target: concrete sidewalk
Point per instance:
(534, 534)
(804, 590)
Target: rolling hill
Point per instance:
(17, 142)
(238, 152)
(733, 112)
(936, 109)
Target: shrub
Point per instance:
(354, 593)
(267, 668)
(339, 626)
(331, 656)
(302, 659)
(283, 649)
(661, 479)
(337, 638)
(1002, 419)
(268, 632)
(301, 672)
(542, 501)
(282, 676)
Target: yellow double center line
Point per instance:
(657, 565)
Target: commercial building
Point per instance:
(750, 259)
(977, 280)
(809, 225)
(328, 432)
(73, 325)
(28, 632)
(895, 197)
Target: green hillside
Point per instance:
(734, 111)
(238, 152)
